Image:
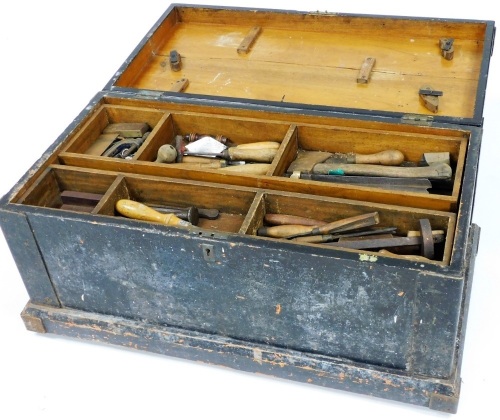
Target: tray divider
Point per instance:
(255, 215)
(286, 152)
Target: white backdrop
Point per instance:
(55, 56)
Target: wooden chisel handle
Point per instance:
(252, 169)
(435, 171)
(387, 157)
(283, 231)
(273, 145)
(253, 155)
(291, 231)
(214, 164)
(135, 210)
(287, 219)
(355, 222)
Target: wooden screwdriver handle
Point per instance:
(253, 155)
(387, 157)
(135, 210)
(434, 171)
(283, 231)
(273, 145)
(252, 169)
(287, 219)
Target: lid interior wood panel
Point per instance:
(314, 59)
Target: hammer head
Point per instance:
(439, 157)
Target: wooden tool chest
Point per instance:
(388, 323)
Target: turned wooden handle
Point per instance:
(287, 219)
(134, 210)
(355, 222)
(199, 159)
(387, 157)
(252, 169)
(253, 155)
(166, 154)
(349, 223)
(434, 171)
(283, 231)
(405, 257)
(214, 164)
(273, 145)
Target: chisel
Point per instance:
(390, 183)
(294, 231)
(135, 210)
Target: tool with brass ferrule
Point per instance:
(135, 210)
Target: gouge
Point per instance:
(294, 231)
(135, 210)
(318, 239)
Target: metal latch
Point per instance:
(416, 119)
(149, 93)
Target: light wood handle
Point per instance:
(135, 210)
(283, 231)
(412, 233)
(314, 239)
(287, 219)
(199, 159)
(253, 155)
(252, 169)
(214, 164)
(404, 257)
(435, 171)
(166, 154)
(387, 157)
(273, 145)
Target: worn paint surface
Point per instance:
(284, 297)
(283, 363)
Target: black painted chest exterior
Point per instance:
(220, 292)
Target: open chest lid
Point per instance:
(419, 69)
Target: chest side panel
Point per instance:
(281, 297)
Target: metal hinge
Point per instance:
(414, 119)
(149, 94)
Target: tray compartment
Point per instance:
(329, 210)
(86, 137)
(298, 133)
(238, 131)
(48, 189)
(412, 145)
(232, 204)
